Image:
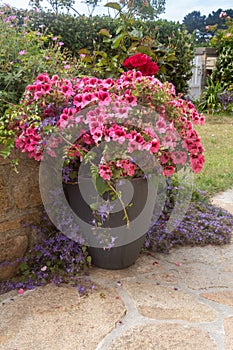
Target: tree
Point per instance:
(143, 9)
(56, 5)
(214, 18)
(195, 22)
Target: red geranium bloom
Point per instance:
(143, 63)
(150, 68)
(137, 60)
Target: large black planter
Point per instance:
(124, 254)
(117, 258)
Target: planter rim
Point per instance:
(89, 178)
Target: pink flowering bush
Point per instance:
(110, 110)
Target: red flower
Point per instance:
(150, 68)
(142, 63)
(137, 60)
(168, 170)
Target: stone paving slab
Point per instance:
(58, 318)
(164, 337)
(223, 297)
(166, 303)
(224, 200)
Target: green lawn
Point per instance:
(217, 139)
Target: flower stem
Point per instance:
(122, 203)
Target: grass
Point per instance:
(217, 139)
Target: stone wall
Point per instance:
(20, 203)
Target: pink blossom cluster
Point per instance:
(29, 141)
(123, 168)
(57, 104)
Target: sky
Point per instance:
(175, 9)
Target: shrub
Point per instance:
(223, 42)
(217, 97)
(171, 34)
(23, 54)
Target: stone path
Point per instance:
(179, 301)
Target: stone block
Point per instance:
(10, 250)
(17, 224)
(25, 186)
(10, 225)
(5, 198)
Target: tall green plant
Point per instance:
(217, 96)
(210, 98)
(25, 53)
(223, 42)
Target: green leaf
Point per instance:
(94, 206)
(136, 34)
(107, 40)
(89, 259)
(105, 32)
(73, 174)
(145, 49)
(84, 51)
(171, 57)
(100, 53)
(87, 59)
(117, 40)
(84, 249)
(119, 29)
(5, 152)
(113, 5)
(101, 186)
(23, 266)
